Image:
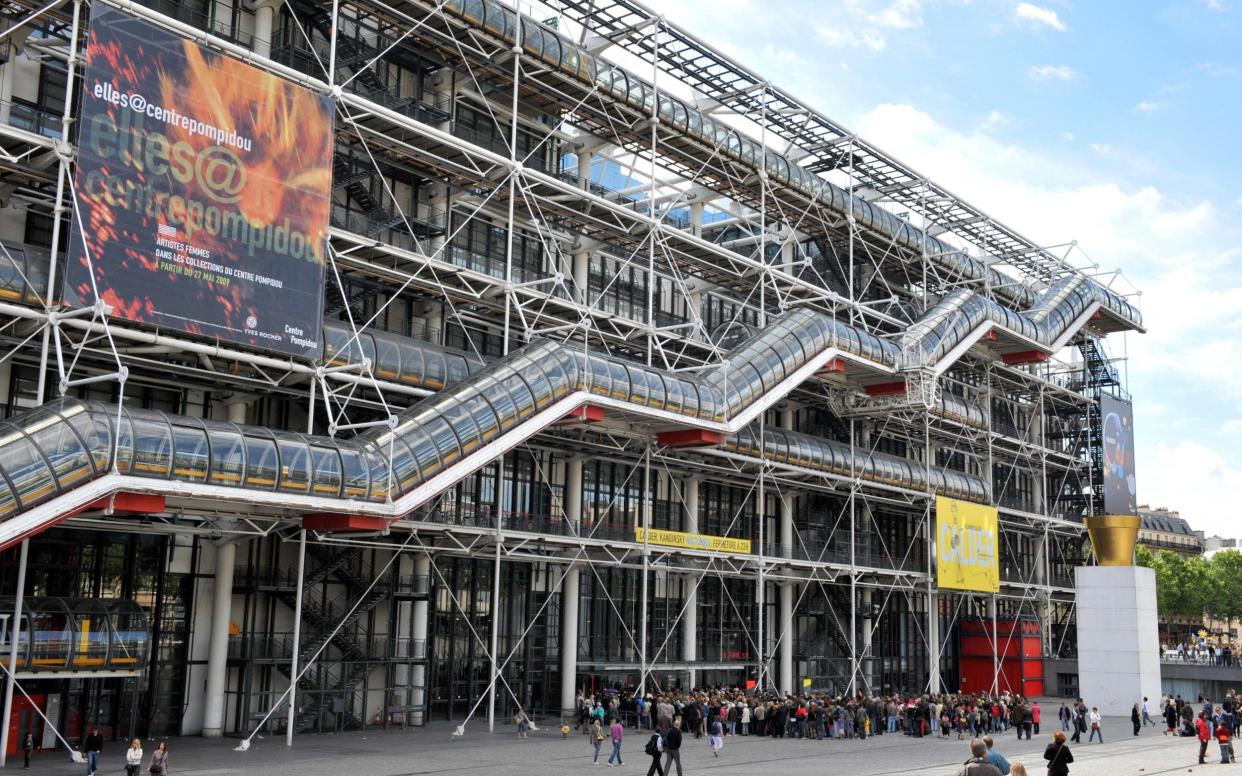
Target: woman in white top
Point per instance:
(133, 758)
(1093, 717)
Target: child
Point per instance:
(564, 729)
(1222, 738)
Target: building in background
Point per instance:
(1213, 543)
(620, 385)
(1165, 529)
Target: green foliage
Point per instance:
(1195, 587)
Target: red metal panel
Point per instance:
(334, 522)
(834, 367)
(689, 437)
(1024, 357)
(887, 389)
(587, 413)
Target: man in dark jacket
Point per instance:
(93, 746)
(672, 748)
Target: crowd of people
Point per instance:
(666, 719)
(821, 716)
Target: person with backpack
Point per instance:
(715, 741)
(655, 749)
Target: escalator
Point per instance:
(60, 458)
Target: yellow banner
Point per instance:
(692, 541)
(967, 546)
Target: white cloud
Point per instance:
(1103, 149)
(1148, 106)
(856, 23)
(846, 38)
(993, 120)
(1192, 478)
(1039, 15)
(1048, 72)
(1068, 136)
(1216, 5)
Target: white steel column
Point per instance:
(570, 587)
(12, 47)
(569, 640)
(785, 634)
(418, 647)
(581, 269)
(690, 615)
(784, 629)
(15, 629)
(264, 18)
(297, 631)
(218, 654)
(868, 624)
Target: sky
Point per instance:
(1113, 124)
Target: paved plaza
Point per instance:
(434, 750)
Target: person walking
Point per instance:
(522, 721)
(616, 733)
(133, 758)
(715, 741)
(597, 739)
(978, 764)
(1224, 738)
(1064, 715)
(655, 749)
(27, 748)
(1095, 720)
(672, 748)
(1204, 734)
(93, 746)
(1035, 714)
(1147, 720)
(1058, 755)
(1170, 717)
(159, 761)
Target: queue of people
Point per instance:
(817, 715)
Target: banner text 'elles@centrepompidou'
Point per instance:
(203, 190)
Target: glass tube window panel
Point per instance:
(295, 464)
(152, 444)
(228, 455)
(191, 454)
(60, 445)
(326, 464)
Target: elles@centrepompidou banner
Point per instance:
(967, 543)
(203, 189)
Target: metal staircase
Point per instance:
(328, 688)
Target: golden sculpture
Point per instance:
(1113, 538)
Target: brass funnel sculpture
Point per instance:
(1113, 538)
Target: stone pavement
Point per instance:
(434, 750)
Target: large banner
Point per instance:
(1120, 495)
(691, 541)
(967, 546)
(203, 190)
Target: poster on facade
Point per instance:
(1120, 494)
(202, 190)
(691, 541)
(967, 546)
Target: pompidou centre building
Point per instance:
(372, 363)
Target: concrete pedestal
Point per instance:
(1118, 640)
